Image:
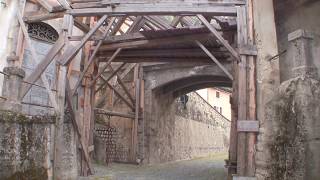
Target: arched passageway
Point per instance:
(174, 130)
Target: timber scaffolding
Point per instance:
(133, 32)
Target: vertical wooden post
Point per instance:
(137, 111)
(251, 79)
(232, 161)
(242, 90)
(87, 125)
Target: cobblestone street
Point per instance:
(209, 168)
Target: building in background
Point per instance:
(219, 99)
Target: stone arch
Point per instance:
(163, 84)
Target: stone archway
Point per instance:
(163, 84)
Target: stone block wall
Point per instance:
(176, 131)
(25, 146)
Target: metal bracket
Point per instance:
(248, 126)
(249, 50)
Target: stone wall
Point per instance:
(290, 16)
(288, 142)
(25, 146)
(176, 131)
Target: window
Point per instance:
(218, 94)
(220, 110)
(42, 31)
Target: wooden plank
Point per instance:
(156, 9)
(114, 113)
(34, 59)
(248, 126)
(225, 43)
(71, 51)
(41, 67)
(30, 17)
(214, 59)
(243, 178)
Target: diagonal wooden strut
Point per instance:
(42, 65)
(106, 65)
(71, 51)
(108, 79)
(34, 59)
(214, 59)
(92, 57)
(225, 43)
(76, 125)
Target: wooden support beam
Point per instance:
(120, 96)
(156, 9)
(31, 17)
(124, 74)
(242, 92)
(71, 51)
(136, 24)
(42, 65)
(225, 43)
(48, 6)
(114, 113)
(92, 57)
(80, 25)
(117, 25)
(252, 106)
(123, 85)
(157, 42)
(169, 53)
(137, 82)
(34, 59)
(214, 59)
(175, 21)
(106, 65)
(105, 80)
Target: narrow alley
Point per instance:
(206, 168)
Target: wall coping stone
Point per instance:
(14, 117)
(14, 71)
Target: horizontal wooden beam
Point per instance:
(30, 17)
(206, 60)
(165, 53)
(158, 42)
(114, 113)
(156, 9)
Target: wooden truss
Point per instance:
(133, 32)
